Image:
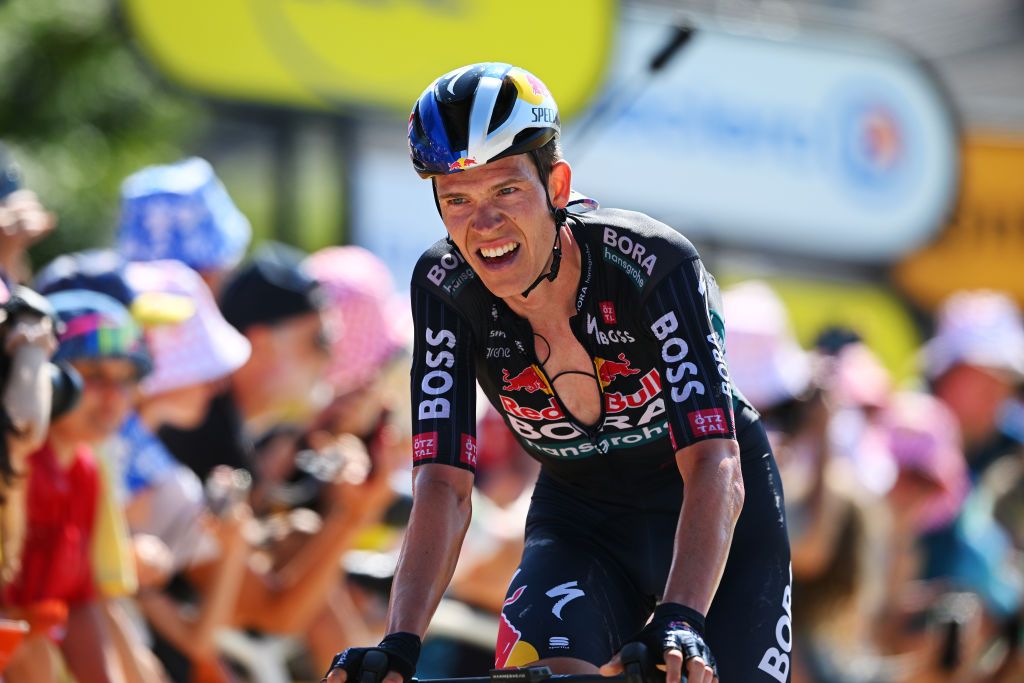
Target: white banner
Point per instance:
(825, 145)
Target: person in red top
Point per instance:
(105, 346)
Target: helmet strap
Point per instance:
(556, 252)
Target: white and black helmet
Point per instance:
(477, 114)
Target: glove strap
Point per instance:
(403, 651)
(673, 611)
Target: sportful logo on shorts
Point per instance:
(709, 421)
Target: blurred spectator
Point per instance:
(372, 323)
(834, 533)
(931, 481)
(105, 346)
(182, 211)
(23, 220)
(277, 306)
(34, 391)
(190, 358)
(975, 363)
(765, 361)
(166, 508)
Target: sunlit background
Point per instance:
(865, 158)
(864, 155)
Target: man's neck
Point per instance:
(553, 298)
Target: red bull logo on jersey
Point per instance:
(530, 380)
(461, 164)
(614, 402)
(608, 370)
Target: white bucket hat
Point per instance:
(765, 360)
(203, 348)
(979, 328)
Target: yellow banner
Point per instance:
(983, 245)
(325, 54)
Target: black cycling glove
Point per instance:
(676, 627)
(401, 649)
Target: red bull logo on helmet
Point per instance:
(531, 379)
(529, 86)
(461, 164)
(608, 370)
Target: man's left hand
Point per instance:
(681, 642)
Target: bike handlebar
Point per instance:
(633, 656)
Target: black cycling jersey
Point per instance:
(600, 532)
(647, 313)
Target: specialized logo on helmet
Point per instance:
(461, 164)
(608, 370)
(529, 86)
(531, 379)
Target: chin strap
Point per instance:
(556, 254)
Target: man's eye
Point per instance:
(455, 201)
(508, 190)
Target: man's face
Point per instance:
(108, 395)
(498, 217)
(976, 396)
(295, 359)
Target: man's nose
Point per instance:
(487, 217)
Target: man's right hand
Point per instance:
(396, 655)
(344, 668)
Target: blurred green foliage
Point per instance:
(81, 111)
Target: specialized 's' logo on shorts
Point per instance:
(567, 592)
(709, 421)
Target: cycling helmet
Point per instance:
(477, 114)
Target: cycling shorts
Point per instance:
(592, 572)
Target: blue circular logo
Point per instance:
(875, 145)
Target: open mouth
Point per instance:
(499, 255)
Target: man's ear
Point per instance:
(260, 338)
(560, 183)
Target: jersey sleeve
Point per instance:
(694, 376)
(443, 384)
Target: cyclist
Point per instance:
(596, 334)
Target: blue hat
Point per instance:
(104, 271)
(97, 326)
(99, 270)
(181, 211)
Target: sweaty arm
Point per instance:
(698, 400)
(437, 526)
(443, 390)
(711, 506)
